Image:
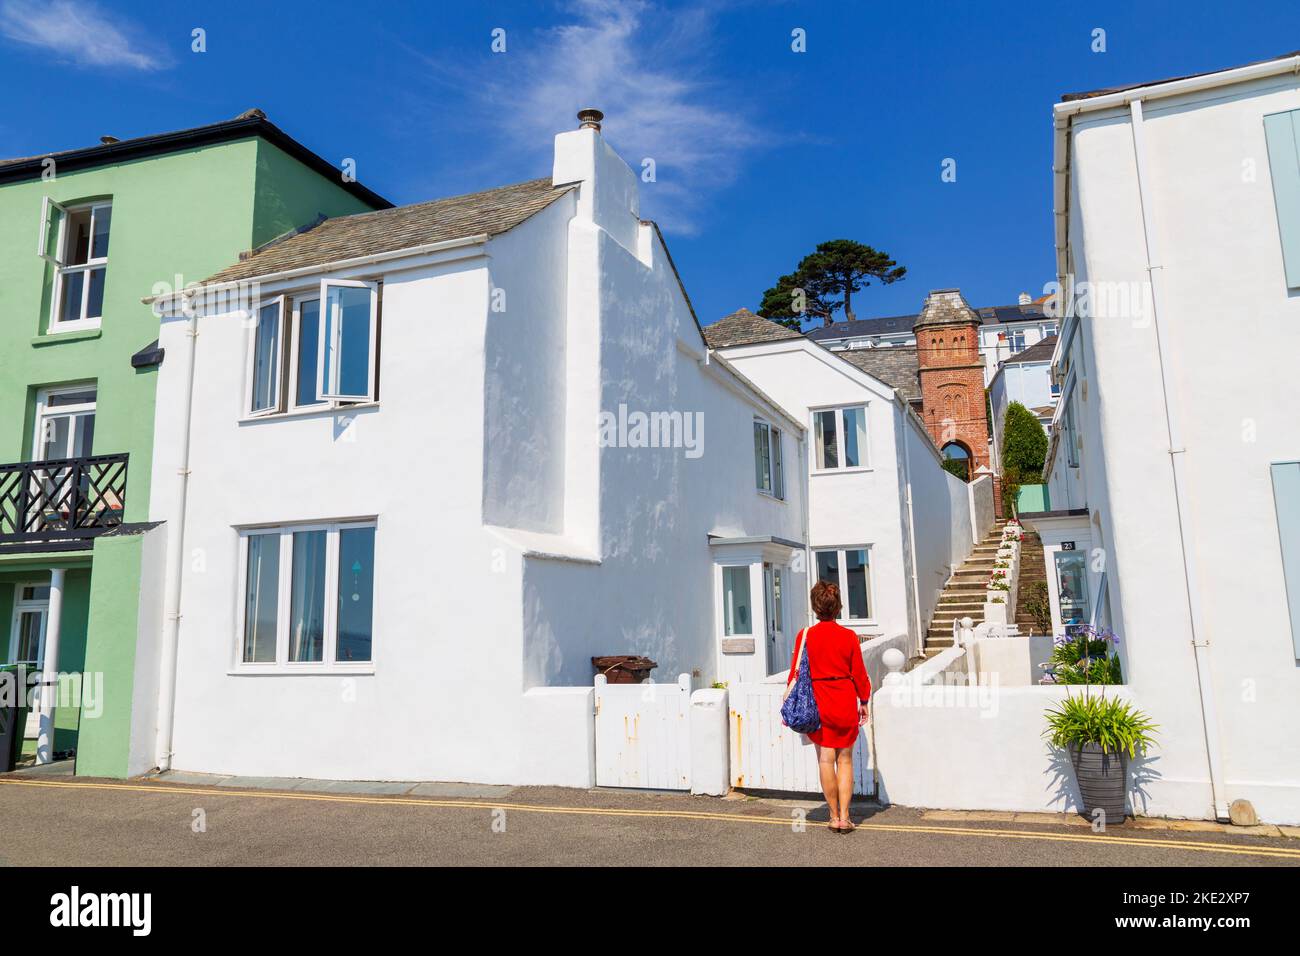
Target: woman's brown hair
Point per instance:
(826, 602)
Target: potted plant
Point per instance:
(1101, 734)
(1084, 656)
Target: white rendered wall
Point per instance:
(850, 507)
(1235, 398)
(480, 456)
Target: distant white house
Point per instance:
(886, 521)
(419, 466)
(1175, 457)
(1005, 332)
(1025, 378)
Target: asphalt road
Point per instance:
(84, 822)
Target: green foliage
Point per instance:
(825, 281)
(1094, 719)
(958, 467)
(782, 303)
(1039, 605)
(1095, 670)
(1084, 657)
(1024, 445)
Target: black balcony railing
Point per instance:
(62, 499)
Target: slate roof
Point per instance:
(895, 324)
(895, 365)
(1070, 97)
(1040, 351)
(247, 124)
(743, 327)
(490, 212)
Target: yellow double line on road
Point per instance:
(1274, 852)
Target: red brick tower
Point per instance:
(952, 378)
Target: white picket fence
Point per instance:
(766, 755)
(643, 735)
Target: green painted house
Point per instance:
(85, 236)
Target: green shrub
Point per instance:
(1093, 719)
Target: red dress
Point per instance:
(839, 681)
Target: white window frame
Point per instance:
(295, 325)
(328, 389)
(1070, 419)
(864, 452)
(23, 606)
(284, 590)
(278, 405)
(61, 270)
(43, 410)
(843, 582)
(775, 460)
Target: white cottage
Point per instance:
(419, 466)
(1174, 482)
(886, 521)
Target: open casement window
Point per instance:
(47, 242)
(1281, 136)
(768, 477)
(266, 358)
(75, 241)
(349, 340)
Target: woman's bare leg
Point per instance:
(844, 779)
(830, 785)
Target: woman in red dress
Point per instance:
(841, 688)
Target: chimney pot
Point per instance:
(590, 118)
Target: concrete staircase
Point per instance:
(964, 594)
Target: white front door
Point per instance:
(774, 601)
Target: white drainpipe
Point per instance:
(911, 531)
(1178, 458)
(175, 574)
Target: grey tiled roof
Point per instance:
(1069, 97)
(389, 230)
(895, 324)
(895, 365)
(1040, 351)
(743, 327)
(247, 124)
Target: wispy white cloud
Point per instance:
(650, 69)
(79, 32)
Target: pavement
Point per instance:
(54, 819)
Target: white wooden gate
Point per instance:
(643, 735)
(766, 755)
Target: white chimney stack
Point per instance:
(1024, 298)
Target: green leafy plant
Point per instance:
(826, 279)
(1084, 657)
(1038, 605)
(1094, 719)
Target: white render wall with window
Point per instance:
(867, 450)
(371, 581)
(1199, 587)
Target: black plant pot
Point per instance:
(1102, 780)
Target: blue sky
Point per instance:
(760, 152)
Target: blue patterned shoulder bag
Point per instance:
(799, 708)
